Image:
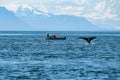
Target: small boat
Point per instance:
(53, 37)
(57, 38)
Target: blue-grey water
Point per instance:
(28, 56)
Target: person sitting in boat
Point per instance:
(53, 36)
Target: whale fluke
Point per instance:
(88, 39)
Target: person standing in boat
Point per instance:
(48, 36)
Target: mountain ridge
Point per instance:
(44, 22)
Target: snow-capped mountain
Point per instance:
(79, 15)
(49, 21)
(28, 10)
(103, 13)
(8, 19)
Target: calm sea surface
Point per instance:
(28, 56)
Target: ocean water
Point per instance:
(28, 56)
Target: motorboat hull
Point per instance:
(57, 38)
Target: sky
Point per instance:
(98, 12)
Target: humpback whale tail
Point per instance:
(88, 39)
